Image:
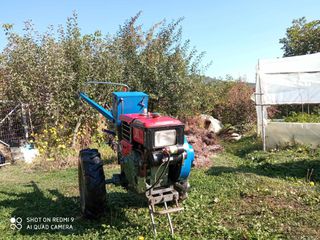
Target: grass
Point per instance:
(247, 194)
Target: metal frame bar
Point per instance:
(263, 130)
(107, 114)
(4, 143)
(263, 106)
(152, 220)
(163, 195)
(108, 83)
(291, 72)
(169, 219)
(9, 114)
(4, 164)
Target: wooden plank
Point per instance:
(170, 210)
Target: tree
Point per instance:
(47, 71)
(301, 38)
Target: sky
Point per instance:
(233, 34)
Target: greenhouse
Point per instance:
(284, 81)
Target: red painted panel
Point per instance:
(138, 135)
(125, 148)
(150, 120)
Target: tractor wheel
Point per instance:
(91, 184)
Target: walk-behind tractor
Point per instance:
(153, 153)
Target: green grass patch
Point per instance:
(247, 194)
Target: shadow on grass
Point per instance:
(37, 207)
(295, 169)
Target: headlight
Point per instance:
(165, 138)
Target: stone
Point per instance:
(211, 124)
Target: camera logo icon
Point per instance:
(16, 223)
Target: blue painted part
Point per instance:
(128, 102)
(107, 114)
(129, 94)
(186, 167)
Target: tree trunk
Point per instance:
(75, 131)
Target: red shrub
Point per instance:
(237, 108)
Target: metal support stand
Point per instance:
(259, 103)
(163, 195)
(152, 220)
(169, 219)
(263, 129)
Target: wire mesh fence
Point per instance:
(13, 128)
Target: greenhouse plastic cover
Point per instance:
(290, 80)
(282, 133)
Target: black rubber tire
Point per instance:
(2, 158)
(92, 185)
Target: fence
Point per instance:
(14, 123)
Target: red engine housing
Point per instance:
(151, 120)
(143, 126)
(126, 147)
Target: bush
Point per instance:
(235, 106)
(303, 118)
(48, 70)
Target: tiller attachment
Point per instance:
(163, 195)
